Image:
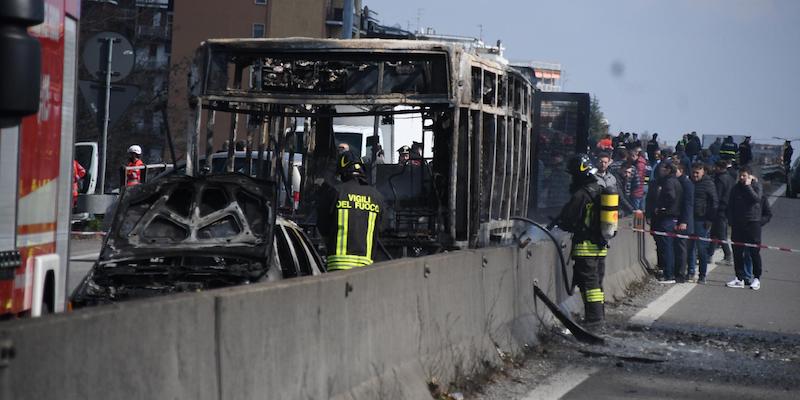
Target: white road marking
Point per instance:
(657, 308)
(777, 193)
(650, 314)
(563, 382)
(560, 384)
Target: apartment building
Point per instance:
(197, 20)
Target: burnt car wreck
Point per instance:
(184, 234)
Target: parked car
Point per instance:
(186, 234)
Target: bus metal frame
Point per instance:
(478, 109)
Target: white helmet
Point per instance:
(135, 149)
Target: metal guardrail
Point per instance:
(149, 171)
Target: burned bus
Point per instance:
(284, 98)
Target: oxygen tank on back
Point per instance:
(609, 212)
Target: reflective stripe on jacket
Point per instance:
(728, 151)
(349, 218)
(577, 217)
(134, 176)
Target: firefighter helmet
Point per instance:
(580, 166)
(349, 164)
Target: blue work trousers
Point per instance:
(664, 245)
(698, 249)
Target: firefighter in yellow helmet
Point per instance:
(349, 216)
(591, 215)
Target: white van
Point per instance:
(357, 137)
(86, 156)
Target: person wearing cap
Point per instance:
(133, 172)
(349, 216)
(403, 155)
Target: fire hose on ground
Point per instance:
(578, 331)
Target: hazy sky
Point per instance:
(712, 66)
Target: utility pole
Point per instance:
(347, 19)
(106, 114)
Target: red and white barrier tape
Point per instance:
(694, 237)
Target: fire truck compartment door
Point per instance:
(41, 266)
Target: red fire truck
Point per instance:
(38, 45)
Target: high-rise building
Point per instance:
(138, 93)
(197, 20)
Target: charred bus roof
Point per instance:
(333, 71)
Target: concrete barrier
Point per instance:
(623, 265)
(138, 350)
(382, 332)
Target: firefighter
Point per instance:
(729, 149)
(583, 216)
(133, 177)
(349, 216)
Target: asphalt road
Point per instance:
(695, 341)
(775, 308)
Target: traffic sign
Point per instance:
(122, 96)
(95, 56)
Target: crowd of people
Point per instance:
(695, 191)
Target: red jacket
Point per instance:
(78, 172)
(641, 170)
(134, 176)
